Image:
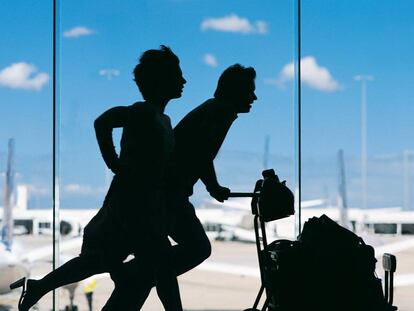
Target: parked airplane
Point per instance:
(11, 265)
(233, 220)
(15, 261)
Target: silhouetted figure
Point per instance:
(88, 290)
(198, 138)
(133, 217)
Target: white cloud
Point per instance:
(312, 74)
(109, 73)
(234, 23)
(83, 189)
(210, 60)
(78, 32)
(23, 76)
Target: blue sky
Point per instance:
(101, 41)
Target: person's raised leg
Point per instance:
(74, 270)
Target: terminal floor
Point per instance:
(206, 290)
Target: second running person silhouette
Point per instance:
(198, 138)
(133, 217)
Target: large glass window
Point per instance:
(356, 156)
(99, 46)
(26, 146)
(357, 123)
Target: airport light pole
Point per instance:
(364, 177)
(7, 228)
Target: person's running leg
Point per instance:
(193, 245)
(166, 280)
(192, 249)
(131, 288)
(151, 267)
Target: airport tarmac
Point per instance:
(233, 288)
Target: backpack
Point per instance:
(342, 268)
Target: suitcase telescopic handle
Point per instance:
(389, 263)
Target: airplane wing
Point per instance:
(46, 252)
(240, 234)
(248, 235)
(244, 203)
(234, 203)
(312, 203)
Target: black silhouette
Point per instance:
(198, 138)
(132, 219)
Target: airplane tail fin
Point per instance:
(7, 228)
